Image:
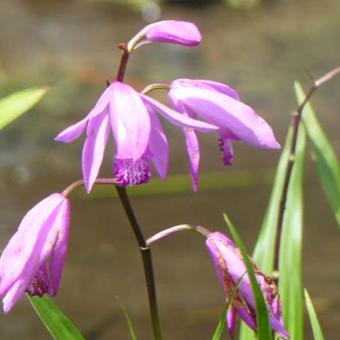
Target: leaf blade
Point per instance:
(323, 155)
(55, 321)
(262, 320)
(290, 258)
(17, 103)
(317, 332)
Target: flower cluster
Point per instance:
(33, 259)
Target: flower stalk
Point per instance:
(295, 125)
(144, 249)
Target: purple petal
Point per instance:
(22, 253)
(169, 31)
(206, 84)
(177, 118)
(13, 295)
(60, 246)
(158, 146)
(193, 151)
(248, 315)
(130, 122)
(72, 132)
(228, 113)
(94, 147)
(191, 142)
(231, 320)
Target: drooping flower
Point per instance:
(218, 104)
(137, 132)
(230, 268)
(33, 259)
(169, 31)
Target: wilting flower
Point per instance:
(218, 104)
(137, 132)
(230, 268)
(33, 259)
(169, 31)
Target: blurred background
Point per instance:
(259, 48)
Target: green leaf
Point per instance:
(323, 155)
(317, 332)
(264, 248)
(221, 323)
(58, 325)
(128, 320)
(290, 282)
(15, 104)
(262, 321)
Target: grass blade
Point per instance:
(323, 155)
(15, 104)
(290, 283)
(129, 322)
(317, 332)
(263, 327)
(58, 325)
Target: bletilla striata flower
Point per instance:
(182, 33)
(137, 132)
(218, 104)
(230, 268)
(33, 259)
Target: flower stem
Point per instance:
(168, 231)
(143, 247)
(295, 124)
(147, 260)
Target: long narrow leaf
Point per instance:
(128, 320)
(323, 155)
(264, 248)
(290, 283)
(14, 105)
(58, 325)
(262, 320)
(317, 332)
